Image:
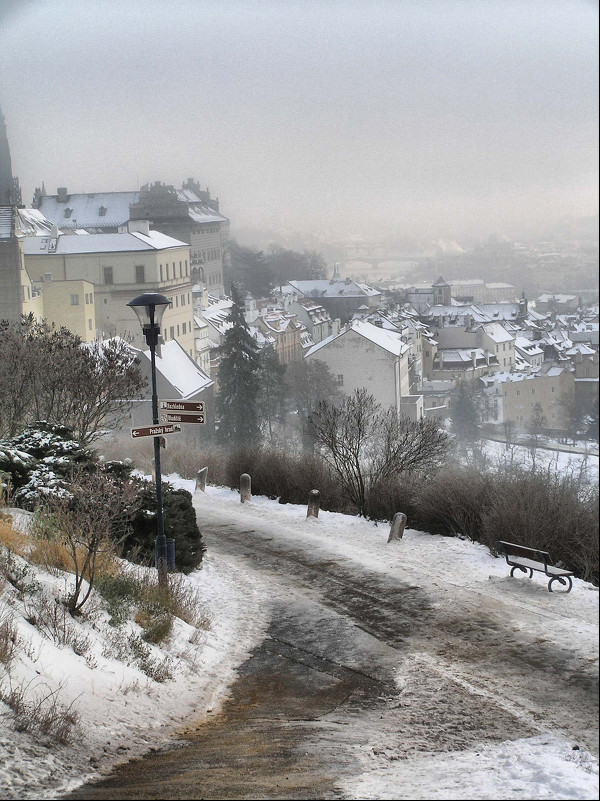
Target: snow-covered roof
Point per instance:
(100, 243)
(6, 222)
(324, 288)
(497, 332)
(388, 340)
(529, 346)
(93, 210)
(180, 370)
(31, 222)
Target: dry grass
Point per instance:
(14, 540)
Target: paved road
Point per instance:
(348, 654)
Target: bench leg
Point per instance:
(564, 580)
(524, 569)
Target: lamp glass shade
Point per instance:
(149, 308)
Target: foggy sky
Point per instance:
(435, 118)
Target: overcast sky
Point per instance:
(433, 117)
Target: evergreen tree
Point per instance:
(239, 381)
(250, 270)
(272, 394)
(464, 413)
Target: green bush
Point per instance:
(180, 524)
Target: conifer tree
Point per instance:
(238, 380)
(273, 391)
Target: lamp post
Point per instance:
(150, 308)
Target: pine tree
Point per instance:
(273, 390)
(238, 380)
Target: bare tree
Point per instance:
(367, 446)
(535, 430)
(49, 374)
(86, 521)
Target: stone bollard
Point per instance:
(314, 503)
(397, 528)
(201, 479)
(245, 488)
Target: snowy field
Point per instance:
(583, 466)
(123, 713)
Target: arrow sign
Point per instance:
(182, 418)
(154, 431)
(182, 406)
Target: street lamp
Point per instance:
(150, 308)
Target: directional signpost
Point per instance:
(154, 431)
(172, 417)
(174, 411)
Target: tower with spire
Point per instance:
(10, 248)
(10, 191)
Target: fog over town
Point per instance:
(403, 120)
(299, 399)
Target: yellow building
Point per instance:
(118, 267)
(70, 304)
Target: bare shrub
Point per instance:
(452, 502)
(8, 637)
(84, 524)
(51, 618)
(37, 708)
(545, 511)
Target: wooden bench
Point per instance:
(530, 559)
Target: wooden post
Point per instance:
(397, 528)
(314, 503)
(201, 479)
(245, 488)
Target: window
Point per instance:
(140, 274)
(183, 300)
(108, 275)
(184, 328)
(180, 270)
(340, 380)
(518, 392)
(74, 300)
(177, 300)
(102, 211)
(172, 332)
(167, 266)
(90, 324)
(161, 272)
(177, 330)
(553, 389)
(533, 391)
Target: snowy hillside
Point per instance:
(123, 712)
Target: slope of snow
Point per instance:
(123, 713)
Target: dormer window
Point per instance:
(68, 212)
(102, 211)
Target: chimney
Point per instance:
(487, 358)
(62, 194)
(441, 358)
(139, 227)
(474, 358)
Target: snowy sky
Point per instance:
(426, 117)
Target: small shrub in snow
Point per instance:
(38, 709)
(18, 573)
(8, 637)
(51, 618)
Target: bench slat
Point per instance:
(531, 564)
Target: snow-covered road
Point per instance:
(415, 669)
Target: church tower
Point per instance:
(10, 192)
(10, 249)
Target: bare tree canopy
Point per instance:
(47, 373)
(367, 445)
